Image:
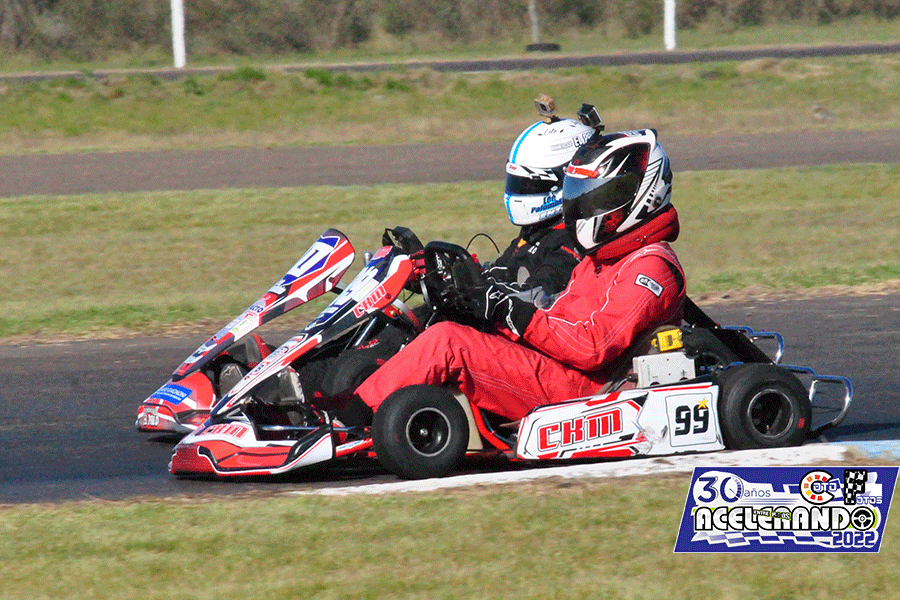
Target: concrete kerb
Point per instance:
(810, 454)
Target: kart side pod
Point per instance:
(649, 422)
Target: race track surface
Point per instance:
(67, 410)
(411, 163)
(534, 60)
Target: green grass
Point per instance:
(257, 107)
(146, 262)
(552, 540)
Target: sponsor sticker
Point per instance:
(574, 432)
(550, 202)
(172, 393)
(149, 416)
(369, 302)
(786, 509)
(650, 284)
(235, 430)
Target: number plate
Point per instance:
(691, 418)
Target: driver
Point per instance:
(616, 205)
(538, 262)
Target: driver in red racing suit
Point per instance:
(537, 263)
(616, 204)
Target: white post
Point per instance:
(668, 24)
(178, 33)
(533, 17)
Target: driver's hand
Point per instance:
(492, 304)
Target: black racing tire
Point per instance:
(349, 372)
(708, 352)
(762, 405)
(420, 431)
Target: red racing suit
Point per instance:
(615, 295)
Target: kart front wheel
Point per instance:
(763, 406)
(420, 431)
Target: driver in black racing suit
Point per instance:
(539, 261)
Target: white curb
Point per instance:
(803, 455)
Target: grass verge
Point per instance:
(256, 107)
(144, 262)
(551, 540)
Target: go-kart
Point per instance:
(695, 388)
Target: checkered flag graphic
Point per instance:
(854, 484)
(735, 539)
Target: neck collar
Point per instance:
(662, 227)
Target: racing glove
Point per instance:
(494, 304)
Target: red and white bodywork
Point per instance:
(231, 444)
(683, 396)
(661, 421)
(658, 421)
(184, 402)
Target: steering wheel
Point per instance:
(448, 269)
(403, 238)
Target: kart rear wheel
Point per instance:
(763, 406)
(420, 431)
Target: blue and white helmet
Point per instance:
(536, 167)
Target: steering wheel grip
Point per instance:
(449, 269)
(403, 238)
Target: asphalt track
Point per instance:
(410, 163)
(67, 421)
(536, 60)
(67, 410)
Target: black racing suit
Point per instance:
(537, 263)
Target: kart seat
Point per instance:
(660, 339)
(698, 343)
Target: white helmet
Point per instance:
(537, 162)
(614, 183)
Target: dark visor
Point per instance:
(526, 186)
(586, 198)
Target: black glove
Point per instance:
(492, 304)
(510, 287)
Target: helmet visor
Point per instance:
(545, 182)
(594, 208)
(595, 196)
